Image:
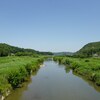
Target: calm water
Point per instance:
(53, 82)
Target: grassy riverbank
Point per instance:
(87, 67)
(15, 70)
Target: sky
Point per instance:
(49, 25)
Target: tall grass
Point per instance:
(15, 70)
(87, 67)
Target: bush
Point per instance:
(68, 61)
(87, 67)
(15, 70)
(4, 85)
(23, 74)
(16, 77)
(75, 65)
(97, 78)
(28, 68)
(86, 60)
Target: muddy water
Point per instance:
(53, 82)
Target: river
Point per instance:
(55, 82)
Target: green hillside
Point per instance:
(89, 50)
(7, 50)
(63, 53)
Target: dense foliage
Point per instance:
(87, 67)
(15, 70)
(7, 50)
(89, 50)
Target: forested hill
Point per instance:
(63, 53)
(89, 50)
(7, 50)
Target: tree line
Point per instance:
(8, 50)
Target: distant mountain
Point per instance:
(6, 50)
(63, 53)
(90, 49)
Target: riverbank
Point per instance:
(52, 82)
(14, 71)
(86, 67)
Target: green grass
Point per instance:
(87, 67)
(15, 70)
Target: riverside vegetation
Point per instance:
(16, 64)
(86, 67)
(15, 70)
(85, 62)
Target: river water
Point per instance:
(56, 82)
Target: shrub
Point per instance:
(97, 77)
(4, 86)
(23, 74)
(28, 68)
(86, 60)
(16, 77)
(75, 65)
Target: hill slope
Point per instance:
(90, 49)
(63, 53)
(6, 50)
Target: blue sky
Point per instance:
(50, 25)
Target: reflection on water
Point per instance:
(18, 92)
(56, 82)
(97, 88)
(67, 69)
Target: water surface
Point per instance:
(53, 82)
